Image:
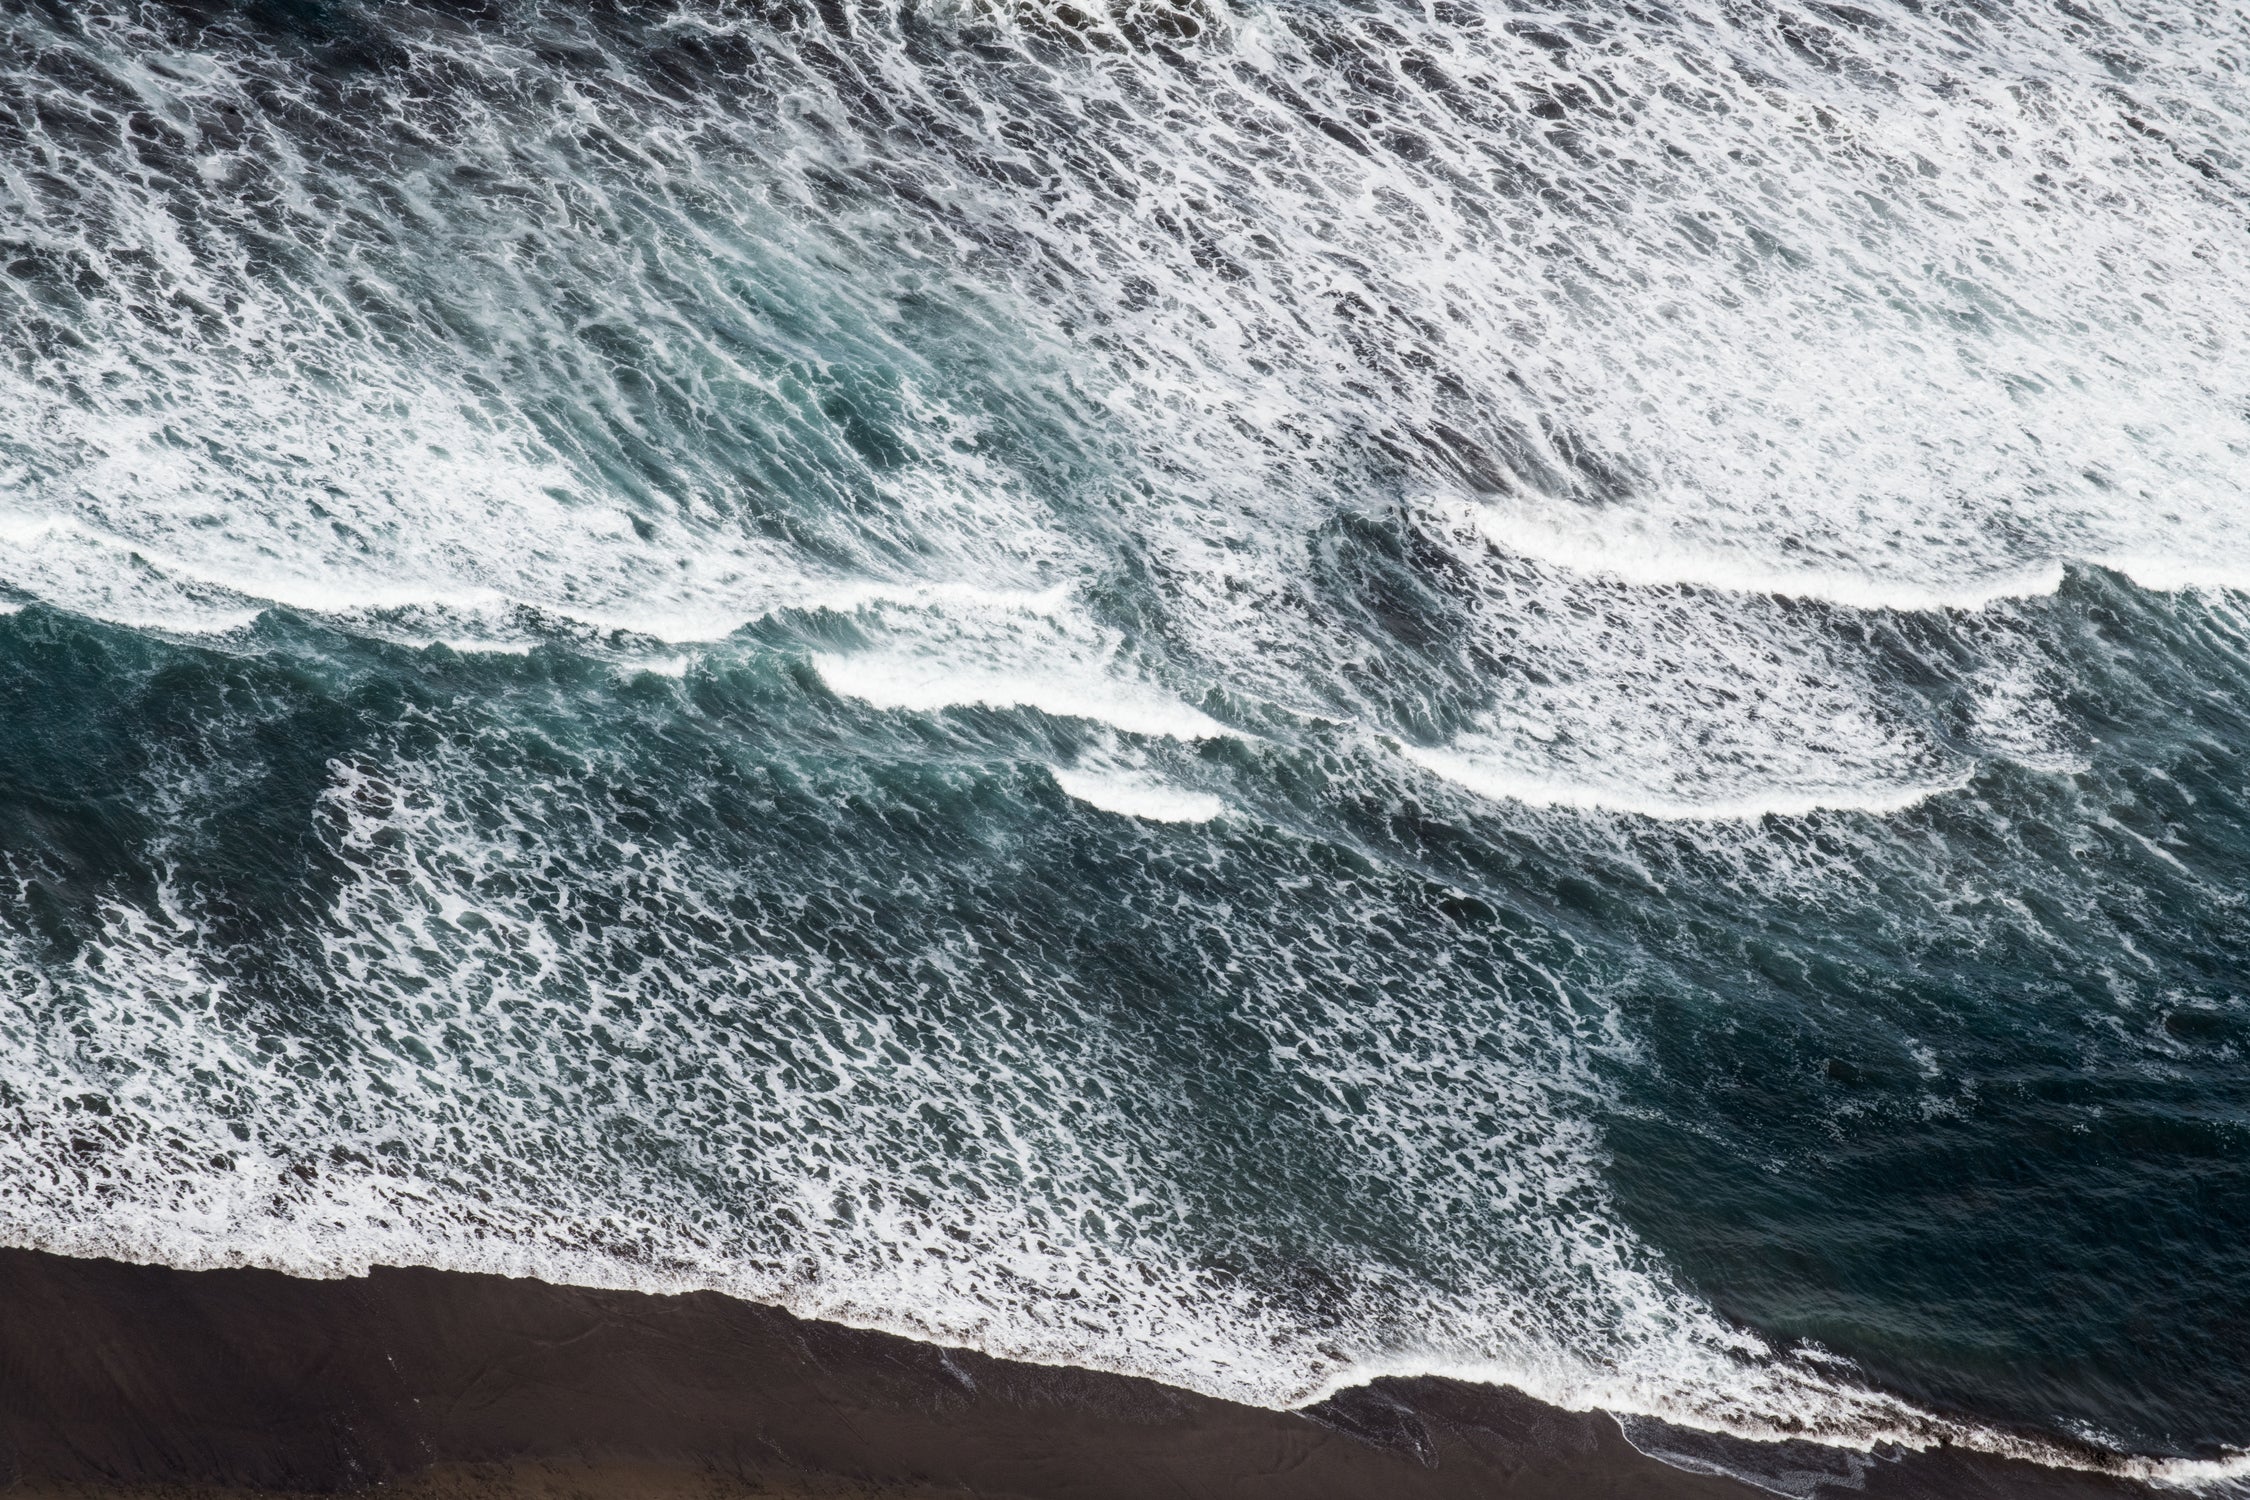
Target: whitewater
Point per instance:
(1260, 694)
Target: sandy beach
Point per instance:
(133, 1380)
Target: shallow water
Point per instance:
(1256, 695)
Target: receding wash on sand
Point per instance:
(1528, 717)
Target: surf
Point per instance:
(1188, 689)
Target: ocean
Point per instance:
(1259, 692)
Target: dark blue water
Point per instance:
(1259, 695)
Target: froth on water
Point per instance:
(1254, 692)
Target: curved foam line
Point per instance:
(309, 595)
(923, 684)
(1138, 797)
(1535, 791)
(331, 598)
(2192, 1473)
(1645, 564)
(1639, 562)
(2172, 575)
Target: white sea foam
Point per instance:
(134, 1071)
(1137, 795)
(1662, 327)
(2223, 567)
(1618, 547)
(1721, 804)
(991, 649)
(927, 683)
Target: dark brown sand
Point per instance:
(133, 1380)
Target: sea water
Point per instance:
(1260, 693)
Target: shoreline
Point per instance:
(121, 1380)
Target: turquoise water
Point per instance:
(1256, 695)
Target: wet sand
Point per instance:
(120, 1380)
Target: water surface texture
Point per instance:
(1258, 693)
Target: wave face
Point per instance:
(1258, 695)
